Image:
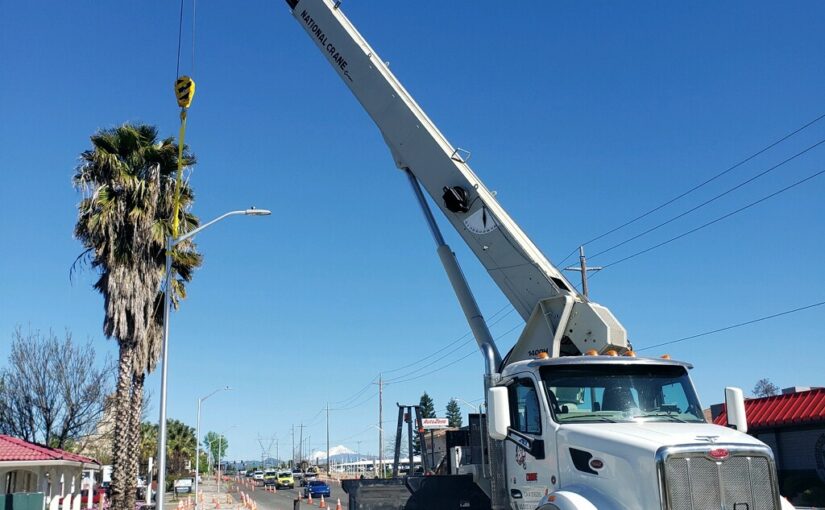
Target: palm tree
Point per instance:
(148, 441)
(127, 182)
(180, 445)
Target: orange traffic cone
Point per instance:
(338, 506)
(309, 499)
(323, 503)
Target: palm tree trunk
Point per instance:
(120, 454)
(133, 444)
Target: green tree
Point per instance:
(127, 183)
(148, 441)
(180, 446)
(427, 406)
(427, 411)
(216, 444)
(454, 413)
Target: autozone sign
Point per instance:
(434, 423)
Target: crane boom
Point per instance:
(536, 289)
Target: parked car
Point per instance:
(297, 473)
(285, 480)
(270, 478)
(308, 477)
(317, 488)
(96, 495)
(183, 485)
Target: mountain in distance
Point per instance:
(339, 452)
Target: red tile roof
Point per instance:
(14, 449)
(801, 408)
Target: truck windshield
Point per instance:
(621, 393)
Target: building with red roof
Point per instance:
(793, 425)
(31, 467)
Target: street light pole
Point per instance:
(198, 442)
(220, 454)
(171, 243)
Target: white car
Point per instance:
(259, 475)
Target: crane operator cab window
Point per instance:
(610, 393)
(525, 414)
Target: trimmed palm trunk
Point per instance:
(120, 458)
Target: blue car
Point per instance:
(317, 488)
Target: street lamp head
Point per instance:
(257, 212)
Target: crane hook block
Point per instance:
(185, 91)
(455, 199)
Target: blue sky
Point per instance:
(580, 116)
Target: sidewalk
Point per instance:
(210, 497)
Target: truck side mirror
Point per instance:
(498, 413)
(735, 404)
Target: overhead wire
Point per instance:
(696, 187)
(466, 342)
(733, 326)
(710, 200)
(709, 223)
(474, 351)
(462, 337)
(345, 402)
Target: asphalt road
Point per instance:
(283, 499)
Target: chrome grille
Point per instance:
(693, 481)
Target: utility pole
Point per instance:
(358, 457)
(583, 269)
(380, 423)
(301, 444)
(328, 460)
(293, 445)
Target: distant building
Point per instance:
(793, 425)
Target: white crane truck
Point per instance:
(574, 419)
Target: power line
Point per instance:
(700, 185)
(353, 406)
(710, 200)
(466, 342)
(345, 402)
(733, 326)
(709, 223)
(462, 337)
(474, 351)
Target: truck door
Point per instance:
(528, 478)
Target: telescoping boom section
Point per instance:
(560, 321)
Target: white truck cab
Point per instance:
(620, 432)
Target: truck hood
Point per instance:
(628, 477)
(652, 435)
